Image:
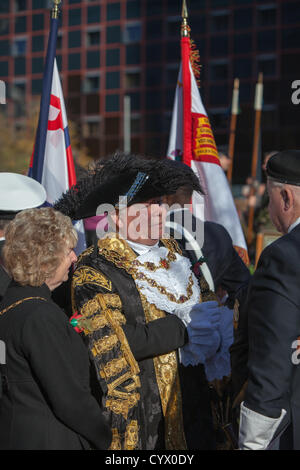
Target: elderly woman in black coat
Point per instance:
(46, 400)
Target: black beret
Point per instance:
(284, 167)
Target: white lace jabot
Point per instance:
(175, 280)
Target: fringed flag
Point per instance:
(192, 141)
(52, 162)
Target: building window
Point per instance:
(38, 22)
(153, 76)
(219, 21)
(112, 126)
(113, 11)
(4, 6)
(75, 17)
(172, 75)
(37, 44)
(218, 95)
(20, 66)
(39, 4)
(74, 62)
(133, 9)
(135, 101)
(266, 15)
(113, 34)
(290, 12)
(242, 43)
(153, 123)
(112, 80)
(153, 99)
(19, 47)
(74, 39)
(153, 7)
(74, 83)
(20, 24)
(37, 86)
(243, 18)
(132, 79)
(242, 68)
(219, 45)
(91, 84)
(18, 90)
(94, 13)
(173, 26)
(37, 65)
(59, 41)
(154, 53)
(92, 104)
(4, 26)
(20, 5)
(91, 128)
(4, 48)
(219, 70)
(290, 38)
(267, 65)
(93, 59)
(133, 54)
(112, 57)
(3, 68)
(173, 51)
(266, 41)
(136, 124)
(132, 33)
(112, 103)
(93, 37)
(154, 29)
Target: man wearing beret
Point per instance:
(270, 322)
(17, 192)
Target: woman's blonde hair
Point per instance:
(36, 241)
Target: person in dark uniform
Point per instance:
(46, 402)
(210, 244)
(270, 322)
(137, 302)
(17, 192)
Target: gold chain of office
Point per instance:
(123, 263)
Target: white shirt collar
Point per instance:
(141, 249)
(291, 227)
(2, 239)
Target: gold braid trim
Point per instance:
(131, 435)
(104, 345)
(88, 275)
(116, 440)
(167, 376)
(115, 250)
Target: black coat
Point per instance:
(4, 278)
(229, 272)
(270, 325)
(48, 404)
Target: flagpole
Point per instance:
(233, 122)
(258, 104)
(186, 85)
(40, 142)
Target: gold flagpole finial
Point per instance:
(184, 27)
(56, 10)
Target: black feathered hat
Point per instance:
(137, 178)
(284, 167)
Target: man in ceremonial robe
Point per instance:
(136, 299)
(266, 350)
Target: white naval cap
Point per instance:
(19, 192)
